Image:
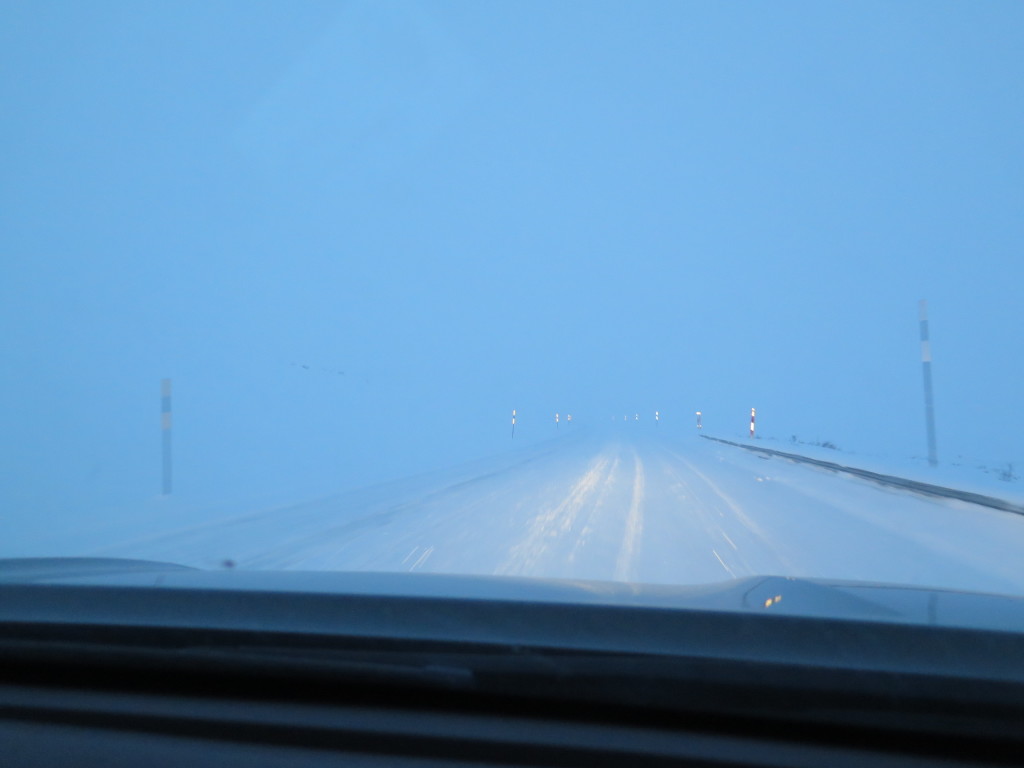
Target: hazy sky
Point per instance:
(447, 210)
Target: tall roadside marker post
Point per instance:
(753, 414)
(699, 425)
(926, 366)
(513, 423)
(165, 433)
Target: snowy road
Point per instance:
(622, 508)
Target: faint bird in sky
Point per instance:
(335, 371)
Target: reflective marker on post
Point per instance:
(569, 418)
(699, 425)
(657, 417)
(165, 433)
(752, 414)
(926, 365)
(556, 421)
(513, 423)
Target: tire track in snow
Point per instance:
(739, 562)
(421, 559)
(554, 523)
(728, 570)
(624, 565)
(709, 518)
(589, 522)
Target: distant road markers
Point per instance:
(165, 433)
(753, 414)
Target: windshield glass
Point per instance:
(515, 288)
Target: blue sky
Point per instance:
(469, 207)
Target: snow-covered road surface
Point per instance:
(625, 508)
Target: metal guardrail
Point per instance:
(890, 480)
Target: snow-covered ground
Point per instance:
(1003, 480)
(620, 507)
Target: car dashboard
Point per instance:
(165, 667)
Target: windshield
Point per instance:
(516, 288)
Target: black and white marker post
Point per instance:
(753, 413)
(513, 423)
(926, 365)
(165, 433)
